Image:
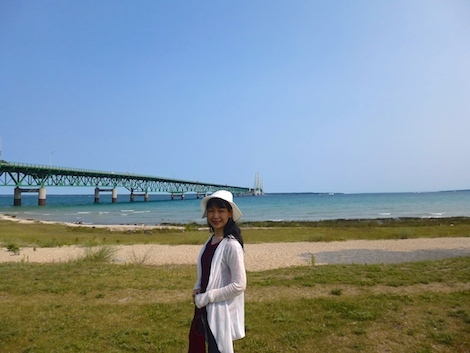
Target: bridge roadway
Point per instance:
(35, 178)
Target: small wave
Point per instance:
(103, 212)
(83, 212)
(141, 211)
(435, 215)
(127, 210)
(384, 213)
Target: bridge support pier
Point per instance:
(97, 194)
(41, 197)
(145, 195)
(17, 197)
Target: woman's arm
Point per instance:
(197, 286)
(237, 285)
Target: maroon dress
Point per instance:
(199, 327)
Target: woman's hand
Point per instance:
(202, 299)
(196, 291)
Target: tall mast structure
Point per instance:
(258, 188)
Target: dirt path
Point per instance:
(260, 257)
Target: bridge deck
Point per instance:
(26, 177)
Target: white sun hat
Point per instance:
(226, 196)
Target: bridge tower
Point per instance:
(258, 188)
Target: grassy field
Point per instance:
(38, 234)
(89, 305)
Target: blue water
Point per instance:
(277, 207)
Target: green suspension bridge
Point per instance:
(35, 178)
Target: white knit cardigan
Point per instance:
(224, 298)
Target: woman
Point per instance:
(219, 290)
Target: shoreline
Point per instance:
(283, 208)
(112, 227)
(252, 224)
(258, 256)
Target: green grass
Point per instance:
(100, 307)
(51, 235)
(90, 305)
(102, 253)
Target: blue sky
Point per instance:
(316, 96)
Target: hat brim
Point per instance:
(236, 213)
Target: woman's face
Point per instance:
(218, 216)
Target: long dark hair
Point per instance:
(231, 228)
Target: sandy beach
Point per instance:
(258, 257)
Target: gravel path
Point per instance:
(260, 257)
